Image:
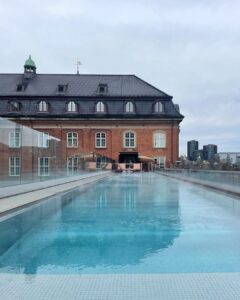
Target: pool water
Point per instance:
(130, 223)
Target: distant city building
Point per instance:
(233, 156)
(191, 147)
(209, 151)
(197, 154)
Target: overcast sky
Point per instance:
(189, 49)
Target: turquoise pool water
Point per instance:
(131, 223)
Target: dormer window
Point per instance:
(102, 88)
(43, 106)
(158, 107)
(71, 106)
(15, 106)
(100, 107)
(20, 88)
(129, 107)
(62, 88)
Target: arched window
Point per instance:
(100, 107)
(129, 140)
(43, 106)
(71, 106)
(129, 107)
(158, 107)
(100, 140)
(15, 106)
(159, 140)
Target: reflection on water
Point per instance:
(113, 223)
(131, 223)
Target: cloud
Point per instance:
(189, 49)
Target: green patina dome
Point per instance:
(29, 63)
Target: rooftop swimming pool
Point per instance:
(129, 224)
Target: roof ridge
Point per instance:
(60, 74)
(157, 89)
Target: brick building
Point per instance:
(118, 118)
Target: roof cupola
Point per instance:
(29, 67)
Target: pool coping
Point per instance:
(225, 188)
(29, 197)
(175, 286)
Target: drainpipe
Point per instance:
(172, 142)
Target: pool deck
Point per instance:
(226, 188)
(12, 198)
(195, 286)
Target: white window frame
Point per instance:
(72, 165)
(158, 107)
(129, 107)
(72, 106)
(159, 139)
(15, 139)
(129, 139)
(43, 139)
(43, 106)
(15, 106)
(44, 166)
(100, 107)
(14, 166)
(100, 140)
(161, 161)
(72, 139)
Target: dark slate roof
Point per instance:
(78, 85)
(84, 90)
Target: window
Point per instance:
(43, 139)
(15, 139)
(158, 107)
(129, 108)
(20, 88)
(15, 106)
(102, 88)
(62, 88)
(43, 166)
(160, 161)
(43, 106)
(101, 162)
(71, 106)
(159, 140)
(14, 166)
(72, 165)
(72, 139)
(100, 107)
(100, 140)
(129, 139)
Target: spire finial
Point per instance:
(78, 64)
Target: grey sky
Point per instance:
(189, 49)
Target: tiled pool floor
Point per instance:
(204, 286)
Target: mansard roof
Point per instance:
(58, 89)
(78, 85)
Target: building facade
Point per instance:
(119, 118)
(232, 157)
(209, 151)
(192, 148)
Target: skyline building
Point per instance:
(192, 146)
(209, 151)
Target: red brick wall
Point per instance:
(86, 141)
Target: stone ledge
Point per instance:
(27, 196)
(216, 186)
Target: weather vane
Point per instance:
(78, 64)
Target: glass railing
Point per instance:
(220, 177)
(33, 155)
